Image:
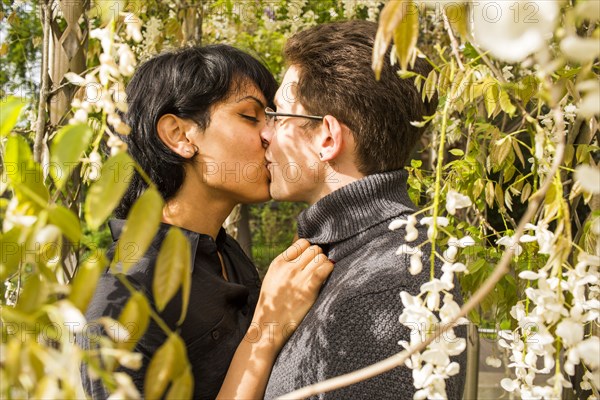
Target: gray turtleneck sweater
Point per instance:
(354, 322)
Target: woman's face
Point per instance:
(231, 157)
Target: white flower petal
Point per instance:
(411, 234)
(527, 239)
(493, 362)
(588, 351)
(397, 223)
(580, 49)
(509, 385)
(75, 79)
(416, 266)
(508, 37)
(455, 200)
(588, 178)
(466, 241)
(529, 275)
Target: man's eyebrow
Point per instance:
(255, 99)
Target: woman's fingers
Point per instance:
(294, 251)
(317, 272)
(309, 257)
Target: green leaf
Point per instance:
(406, 34)
(499, 196)
(526, 192)
(105, 194)
(25, 175)
(141, 226)
(518, 152)
(476, 266)
(490, 96)
(457, 17)
(500, 150)
(11, 252)
(416, 163)
(477, 188)
(85, 281)
(172, 268)
(68, 145)
(430, 85)
(457, 152)
(489, 194)
(33, 295)
(66, 220)
(506, 105)
(183, 386)
(135, 317)
(106, 10)
(391, 15)
(11, 108)
(165, 365)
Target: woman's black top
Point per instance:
(218, 316)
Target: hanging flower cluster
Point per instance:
(434, 306)
(103, 88)
(554, 312)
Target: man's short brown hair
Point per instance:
(334, 62)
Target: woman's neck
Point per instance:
(195, 208)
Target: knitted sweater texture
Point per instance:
(354, 322)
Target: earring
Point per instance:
(196, 149)
(321, 155)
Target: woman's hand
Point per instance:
(289, 289)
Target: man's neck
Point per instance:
(335, 177)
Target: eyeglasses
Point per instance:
(271, 116)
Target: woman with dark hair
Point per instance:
(196, 117)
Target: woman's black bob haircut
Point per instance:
(186, 83)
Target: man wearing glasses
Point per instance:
(339, 140)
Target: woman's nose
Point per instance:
(266, 134)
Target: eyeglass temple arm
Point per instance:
(278, 114)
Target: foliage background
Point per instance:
(495, 135)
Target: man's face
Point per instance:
(291, 155)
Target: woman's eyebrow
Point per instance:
(255, 99)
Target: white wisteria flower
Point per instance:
(449, 269)
(580, 49)
(415, 314)
(433, 289)
(543, 236)
(588, 178)
(411, 231)
(416, 265)
(505, 30)
(440, 221)
(510, 242)
(493, 362)
(570, 331)
(133, 28)
(455, 200)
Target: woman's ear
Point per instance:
(172, 131)
(330, 139)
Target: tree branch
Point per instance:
(41, 119)
(501, 269)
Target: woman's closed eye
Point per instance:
(249, 118)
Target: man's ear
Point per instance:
(331, 138)
(172, 131)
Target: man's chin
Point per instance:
(279, 194)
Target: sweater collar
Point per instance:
(355, 208)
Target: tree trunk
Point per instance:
(67, 53)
